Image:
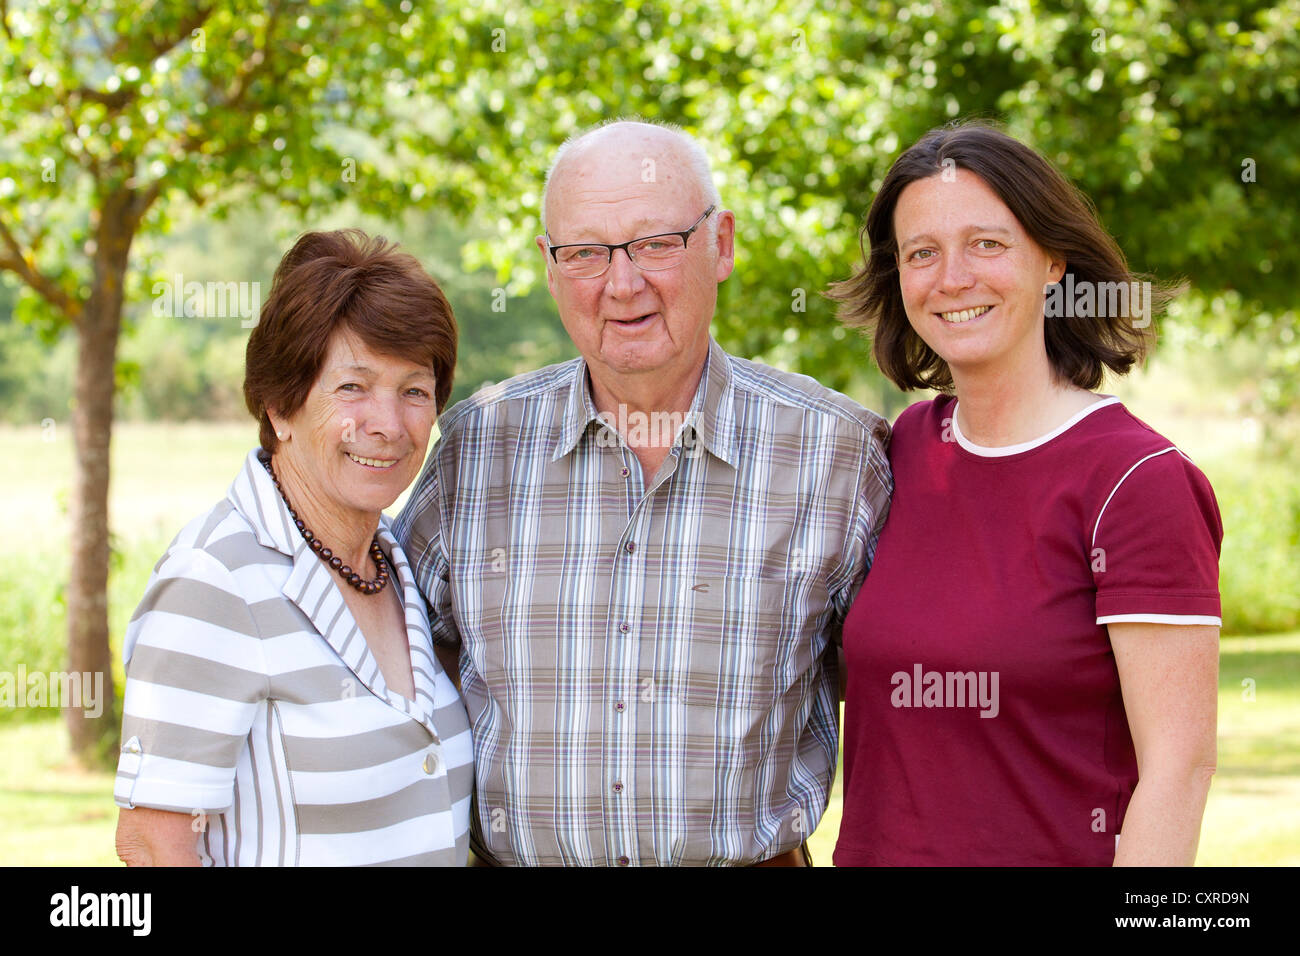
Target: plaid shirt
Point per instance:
(649, 668)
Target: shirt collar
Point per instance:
(715, 406)
(312, 586)
(712, 413)
(579, 412)
(255, 497)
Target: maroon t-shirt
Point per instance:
(984, 724)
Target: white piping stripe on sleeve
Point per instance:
(1161, 619)
(1120, 482)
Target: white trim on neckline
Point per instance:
(1005, 450)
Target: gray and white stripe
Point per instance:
(253, 699)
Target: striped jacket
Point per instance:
(254, 705)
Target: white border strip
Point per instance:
(1160, 619)
(1002, 452)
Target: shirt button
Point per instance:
(618, 788)
(625, 627)
(133, 746)
(625, 471)
(630, 547)
(431, 764)
(623, 861)
(620, 706)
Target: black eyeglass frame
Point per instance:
(625, 246)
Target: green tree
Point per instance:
(111, 113)
(1177, 118)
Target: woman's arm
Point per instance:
(148, 837)
(1169, 676)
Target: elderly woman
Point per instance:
(283, 703)
(1032, 662)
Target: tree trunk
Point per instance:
(93, 739)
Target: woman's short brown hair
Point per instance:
(343, 280)
(1054, 213)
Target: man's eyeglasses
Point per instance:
(586, 260)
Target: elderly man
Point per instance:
(645, 554)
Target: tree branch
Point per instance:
(88, 160)
(160, 45)
(253, 65)
(157, 46)
(257, 63)
(99, 37)
(143, 199)
(14, 260)
(114, 101)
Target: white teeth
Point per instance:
(965, 315)
(372, 462)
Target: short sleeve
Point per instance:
(418, 530)
(1155, 546)
(195, 677)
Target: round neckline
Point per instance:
(1004, 451)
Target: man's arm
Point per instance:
(875, 486)
(871, 507)
(418, 530)
(449, 658)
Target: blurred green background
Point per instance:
(243, 124)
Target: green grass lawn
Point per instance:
(55, 814)
(1253, 816)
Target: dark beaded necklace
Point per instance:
(328, 556)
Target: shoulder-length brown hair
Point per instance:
(331, 281)
(1054, 213)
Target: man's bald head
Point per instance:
(634, 150)
(641, 327)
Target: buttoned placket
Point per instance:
(623, 645)
(331, 617)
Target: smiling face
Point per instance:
(629, 323)
(972, 280)
(360, 437)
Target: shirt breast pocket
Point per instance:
(736, 644)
